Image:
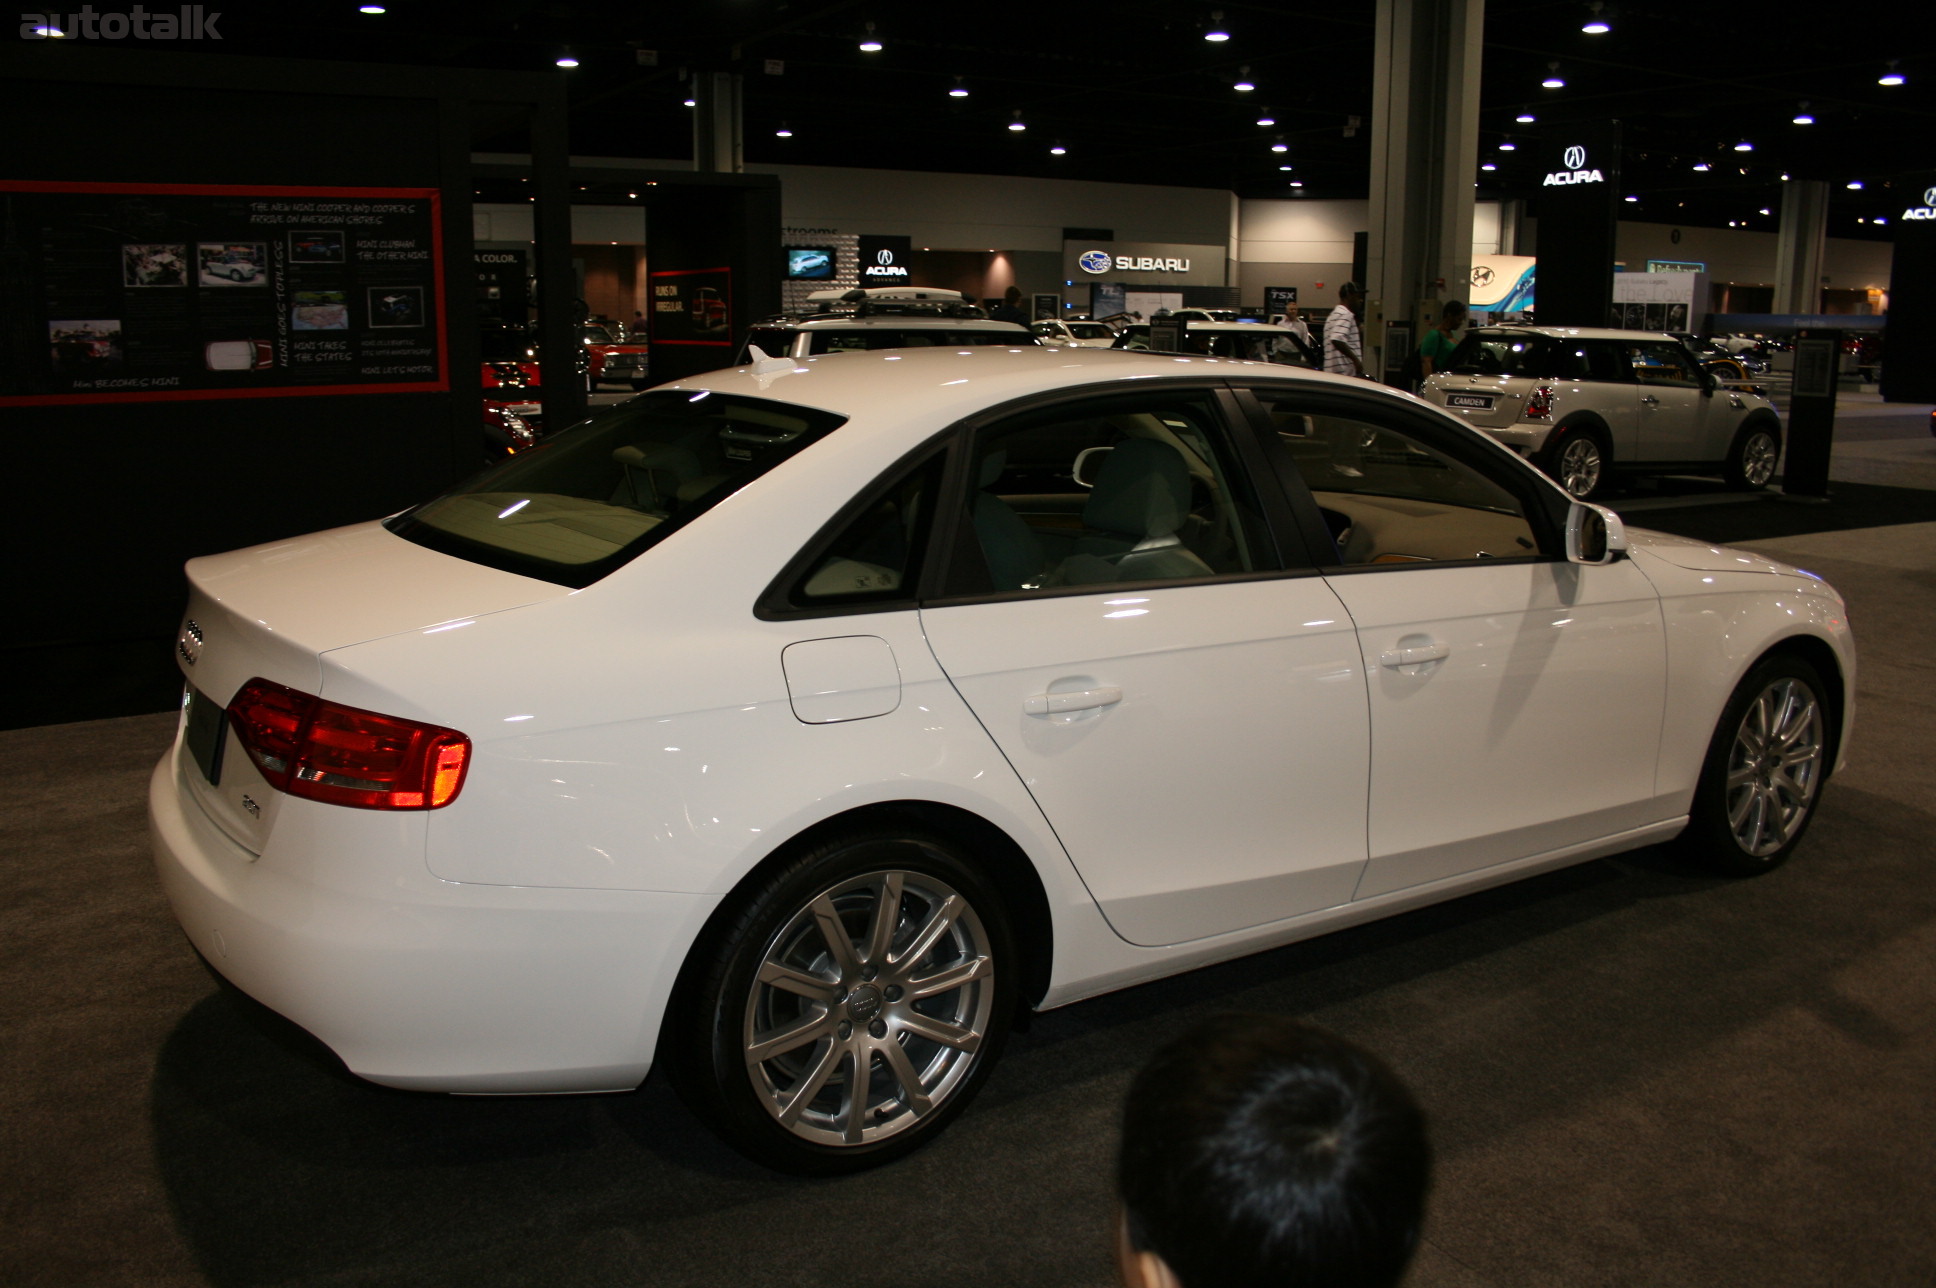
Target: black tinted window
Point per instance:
(1504, 353)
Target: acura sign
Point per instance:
(884, 261)
(1576, 171)
(1925, 211)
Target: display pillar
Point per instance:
(1811, 415)
(1910, 331)
(1799, 245)
(1424, 156)
(1579, 192)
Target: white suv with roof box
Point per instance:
(1580, 403)
(882, 317)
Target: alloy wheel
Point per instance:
(869, 1008)
(1579, 466)
(1775, 767)
(1758, 457)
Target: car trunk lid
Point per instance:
(272, 611)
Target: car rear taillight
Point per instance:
(325, 752)
(1539, 404)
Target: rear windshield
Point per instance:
(591, 498)
(1503, 353)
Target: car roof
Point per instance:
(897, 322)
(1576, 332)
(1223, 328)
(934, 386)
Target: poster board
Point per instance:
(157, 292)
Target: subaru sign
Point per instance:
(1096, 261)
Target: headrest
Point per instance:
(1142, 490)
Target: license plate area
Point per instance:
(1478, 402)
(204, 732)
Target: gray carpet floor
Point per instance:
(1636, 1075)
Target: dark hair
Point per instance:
(1349, 288)
(1259, 1150)
(1452, 308)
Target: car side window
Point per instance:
(1389, 497)
(877, 553)
(1127, 488)
(1605, 363)
(1662, 362)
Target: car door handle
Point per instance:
(1413, 656)
(1650, 400)
(1055, 704)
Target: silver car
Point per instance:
(1581, 402)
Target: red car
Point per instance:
(615, 361)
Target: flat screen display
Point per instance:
(809, 263)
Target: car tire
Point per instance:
(1763, 775)
(1580, 461)
(1752, 458)
(803, 982)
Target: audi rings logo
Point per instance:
(1574, 157)
(1095, 261)
(1481, 275)
(884, 257)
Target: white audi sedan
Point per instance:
(794, 726)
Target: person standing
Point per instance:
(1344, 345)
(1010, 309)
(1298, 342)
(1439, 342)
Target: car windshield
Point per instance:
(1091, 331)
(594, 496)
(598, 335)
(1502, 353)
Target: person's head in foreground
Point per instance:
(1260, 1151)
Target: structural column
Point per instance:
(1799, 244)
(1424, 155)
(718, 140)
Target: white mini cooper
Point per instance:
(1581, 403)
(793, 726)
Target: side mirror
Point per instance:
(1594, 534)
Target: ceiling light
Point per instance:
(1243, 84)
(1058, 150)
(1890, 77)
(1744, 146)
(1296, 183)
(1880, 219)
(567, 59)
(371, 8)
(1802, 116)
(1216, 32)
(1507, 145)
(1280, 145)
(1525, 118)
(1765, 210)
(959, 90)
(1855, 185)
(1267, 120)
(1286, 167)
(1633, 198)
(692, 102)
(1488, 166)
(1553, 79)
(784, 132)
(1702, 166)
(1596, 23)
(1018, 124)
(869, 42)
(48, 33)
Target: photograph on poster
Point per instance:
(239, 355)
(84, 345)
(1677, 317)
(154, 264)
(396, 306)
(319, 311)
(316, 247)
(233, 263)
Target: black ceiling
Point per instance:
(1135, 94)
